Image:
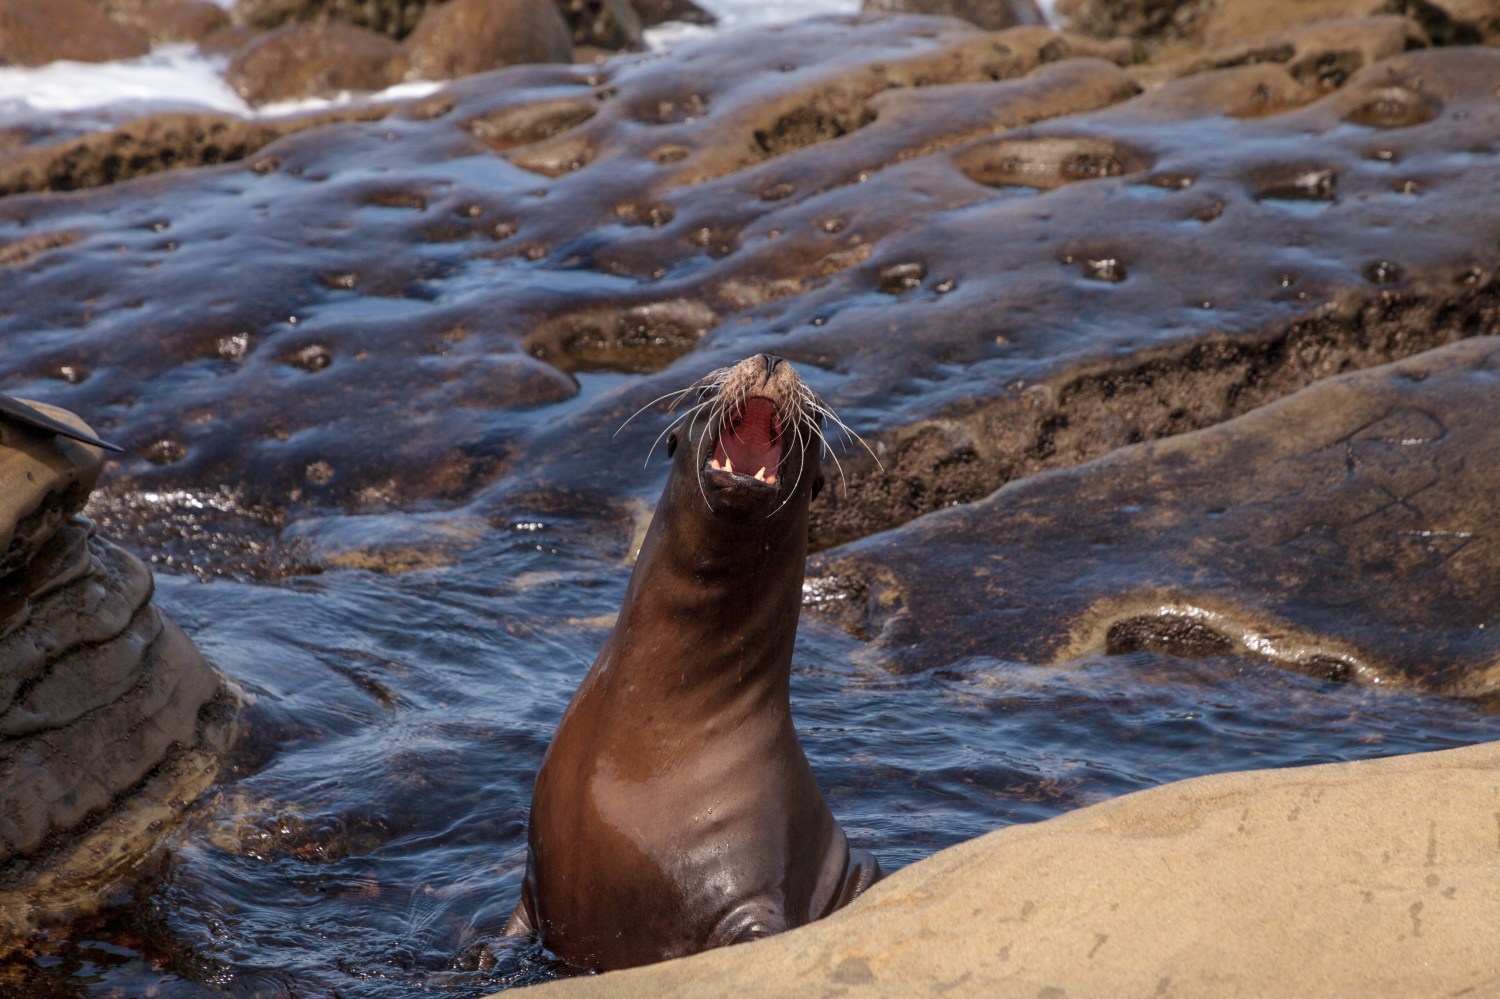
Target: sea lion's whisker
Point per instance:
(668, 429)
(801, 467)
(670, 395)
(824, 410)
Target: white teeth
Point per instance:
(728, 464)
(771, 479)
(761, 475)
(714, 464)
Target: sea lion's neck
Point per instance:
(716, 600)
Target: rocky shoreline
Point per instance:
(1174, 332)
(1380, 877)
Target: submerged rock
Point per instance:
(110, 719)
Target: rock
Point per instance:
(653, 12)
(33, 32)
(1180, 27)
(1342, 532)
(168, 20)
(110, 720)
(44, 480)
(1322, 55)
(394, 18)
(318, 59)
(834, 198)
(143, 146)
(1183, 889)
(605, 24)
(992, 15)
(470, 36)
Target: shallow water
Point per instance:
(373, 843)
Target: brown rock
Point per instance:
(835, 198)
(1177, 27)
(394, 18)
(168, 20)
(1378, 877)
(992, 15)
(1321, 55)
(660, 11)
(1343, 532)
(106, 708)
(318, 59)
(33, 32)
(470, 36)
(44, 480)
(606, 24)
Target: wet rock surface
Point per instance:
(1339, 532)
(988, 14)
(1171, 27)
(110, 719)
(943, 275)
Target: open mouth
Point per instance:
(749, 445)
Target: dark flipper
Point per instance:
(17, 410)
(521, 922)
(864, 870)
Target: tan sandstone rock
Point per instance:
(316, 59)
(34, 32)
(1378, 878)
(470, 36)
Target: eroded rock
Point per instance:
(987, 14)
(33, 33)
(395, 18)
(470, 36)
(605, 24)
(1343, 532)
(168, 20)
(966, 238)
(1176, 28)
(659, 11)
(314, 59)
(110, 719)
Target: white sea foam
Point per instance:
(180, 76)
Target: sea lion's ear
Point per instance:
(817, 485)
(671, 443)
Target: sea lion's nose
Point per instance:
(771, 361)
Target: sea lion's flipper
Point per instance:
(521, 923)
(863, 871)
(19, 411)
(860, 872)
(750, 920)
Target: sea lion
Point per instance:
(675, 810)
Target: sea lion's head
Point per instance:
(751, 441)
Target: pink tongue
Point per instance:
(752, 440)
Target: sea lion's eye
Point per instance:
(817, 486)
(671, 444)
